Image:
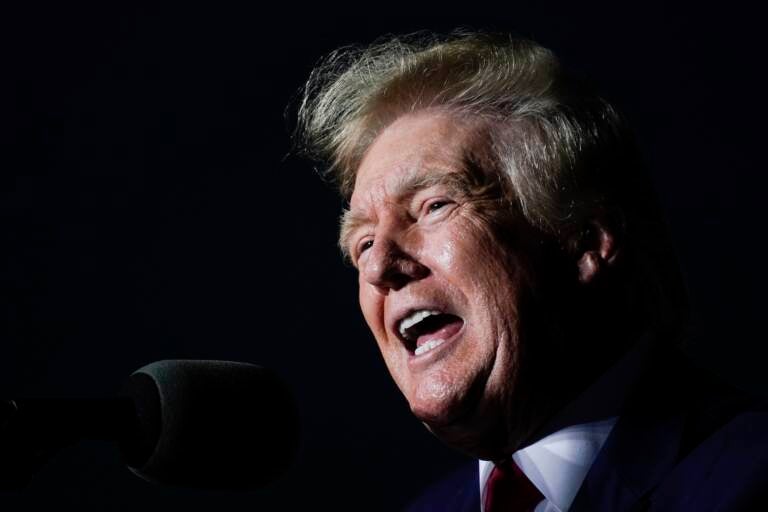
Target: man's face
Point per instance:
(441, 295)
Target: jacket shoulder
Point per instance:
(728, 470)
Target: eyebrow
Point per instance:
(406, 187)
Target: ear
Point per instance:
(597, 249)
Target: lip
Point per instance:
(427, 358)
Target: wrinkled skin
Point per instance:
(435, 245)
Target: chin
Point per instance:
(458, 422)
(438, 401)
(435, 414)
(478, 428)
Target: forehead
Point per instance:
(413, 146)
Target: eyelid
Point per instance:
(426, 206)
(430, 204)
(360, 246)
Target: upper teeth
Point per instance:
(414, 318)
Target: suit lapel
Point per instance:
(634, 460)
(644, 445)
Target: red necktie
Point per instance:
(509, 490)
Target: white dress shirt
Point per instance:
(558, 462)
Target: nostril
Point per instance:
(388, 266)
(404, 272)
(397, 280)
(416, 270)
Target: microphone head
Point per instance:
(210, 424)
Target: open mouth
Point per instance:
(424, 330)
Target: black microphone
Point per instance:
(202, 424)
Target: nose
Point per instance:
(390, 267)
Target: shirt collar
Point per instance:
(558, 462)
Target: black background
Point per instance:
(149, 209)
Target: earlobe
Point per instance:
(597, 251)
(589, 267)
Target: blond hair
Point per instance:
(565, 153)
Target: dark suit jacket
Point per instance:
(684, 441)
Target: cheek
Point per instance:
(372, 307)
(446, 254)
(473, 260)
(490, 278)
(367, 305)
(464, 240)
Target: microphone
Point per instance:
(202, 424)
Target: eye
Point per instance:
(364, 246)
(436, 205)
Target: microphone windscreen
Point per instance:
(210, 424)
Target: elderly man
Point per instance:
(516, 274)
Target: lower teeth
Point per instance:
(428, 346)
